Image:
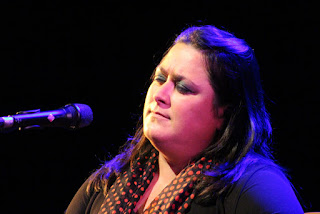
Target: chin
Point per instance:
(156, 137)
(155, 130)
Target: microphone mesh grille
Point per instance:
(86, 115)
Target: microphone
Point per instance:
(71, 116)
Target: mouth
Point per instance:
(161, 115)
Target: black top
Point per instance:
(261, 189)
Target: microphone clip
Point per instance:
(29, 112)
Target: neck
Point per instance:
(168, 170)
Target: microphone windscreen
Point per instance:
(86, 115)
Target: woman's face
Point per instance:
(179, 118)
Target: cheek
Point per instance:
(192, 109)
(195, 119)
(198, 118)
(148, 99)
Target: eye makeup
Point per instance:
(182, 84)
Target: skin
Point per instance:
(179, 116)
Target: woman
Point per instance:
(203, 146)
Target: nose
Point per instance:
(163, 94)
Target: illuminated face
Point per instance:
(179, 118)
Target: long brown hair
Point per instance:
(246, 134)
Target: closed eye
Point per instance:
(181, 88)
(160, 78)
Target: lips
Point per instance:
(160, 114)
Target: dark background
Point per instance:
(102, 53)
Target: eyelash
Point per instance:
(180, 87)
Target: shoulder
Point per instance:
(264, 188)
(84, 202)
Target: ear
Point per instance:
(219, 114)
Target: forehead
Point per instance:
(185, 60)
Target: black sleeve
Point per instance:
(84, 203)
(268, 191)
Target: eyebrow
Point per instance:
(175, 77)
